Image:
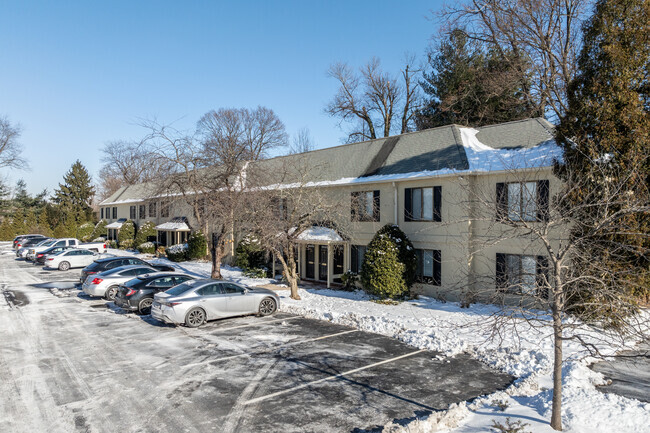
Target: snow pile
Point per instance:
(525, 351)
(178, 248)
(320, 234)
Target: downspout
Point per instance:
(395, 204)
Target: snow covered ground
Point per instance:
(525, 351)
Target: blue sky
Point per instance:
(76, 74)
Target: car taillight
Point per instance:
(40, 255)
(104, 246)
(50, 259)
(169, 304)
(97, 281)
(130, 292)
(20, 245)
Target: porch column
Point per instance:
(329, 265)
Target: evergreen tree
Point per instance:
(100, 230)
(31, 224)
(44, 224)
(382, 274)
(126, 235)
(406, 254)
(606, 139)
(470, 84)
(75, 195)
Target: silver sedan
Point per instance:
(197, 301)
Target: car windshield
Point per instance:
(42, 242)
(132, 283)
(113, 271)
(93, 266)
(47, 243)
(181, 288)
(58, 253)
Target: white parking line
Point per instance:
(255, 324)
(325, 379)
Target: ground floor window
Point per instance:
(338, 259)
(357, 253)
(519, 273)
(429, 267)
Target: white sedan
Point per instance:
(73, 258)
(106, 283)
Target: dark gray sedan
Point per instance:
(195, 302)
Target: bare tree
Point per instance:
(284, 204)
(553, 269)
(302, 142)
(544, 32)
(374, 98)
(10, 149)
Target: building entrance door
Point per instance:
(322, 262)
(310, 253)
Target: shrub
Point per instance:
(177, 253)
(249, 254)
(160, 251)
(256, 273)
(197, 245)
(111, 244)
(382, 274)
(126, 244)
(147, 248)
(406, 254)
(85, 231)
(349, 280)
(99, 239)
(126, 233)
(146, 233)
(99, 230)
(509, 426)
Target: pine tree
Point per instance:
(44, 224)
(382, 274)
(75, 195)
(31, 224)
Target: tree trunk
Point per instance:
(289, 272)
(556, 415)
(216, 264)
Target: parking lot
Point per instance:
(72, 363)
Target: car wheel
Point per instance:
(110, 293)
(64, 266)
(144, 307)
(195, 317)
(267, 306)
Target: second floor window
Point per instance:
(423, 204)
(141, 212)
(115, 213)
(280, 208)
(152, 210)
(523, 201)
(101, 211)
(365, 206)
(132, 212)
(164, 209)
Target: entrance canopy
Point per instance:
(117, 224)
(320, 234)
(175, 225)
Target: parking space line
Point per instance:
(254, 324)
(325, 379)
(293, 343)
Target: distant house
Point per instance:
(429, 182)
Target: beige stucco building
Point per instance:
(447, 188)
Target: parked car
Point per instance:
(72, 258)
(18, 240)
(97, 247)
(106, 263)
(29, 243)
(106, 283)
(40, 257)
(197, 301)
(137, 294)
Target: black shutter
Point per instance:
(408, 206)
(102, 213)
(542, 200)
(542, 277)
(354, 258)
(502, 277)
(437, 203)
(437, 268)
(376, 206)
(502, 201)
(354, 202)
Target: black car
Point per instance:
(137, 294)
(40, 257)
(19, 240)
(104, 264)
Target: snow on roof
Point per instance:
(117, 224)
(320, 234)
(173, 225)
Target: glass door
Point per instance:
(310, 252)
(322, 262)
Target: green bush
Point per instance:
(146, 233)
(126, 244)
(249, 254)
(197, 245)
(111, 244)
(256, 273)
(100, 230)
(126, 233)
(406, 254)
(349, 280)
(85, 231)
(147, 248)
(382, 274)
(177, 253)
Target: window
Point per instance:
(423, 204)
(365, 206)
(429, 267)
(210, 289)
(357, 253)
(132, 212)
(280, 209)
(338, 259)
(232, 288)
(114, 213)
(521, 273)
(152, 210)
(523, 201)
(101, 212)
(164, 209)
(162, 282)
(141, 212)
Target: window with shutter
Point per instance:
(522, 201)
(365, 205)
(522, 274)
(423, 204)
(429, 268)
